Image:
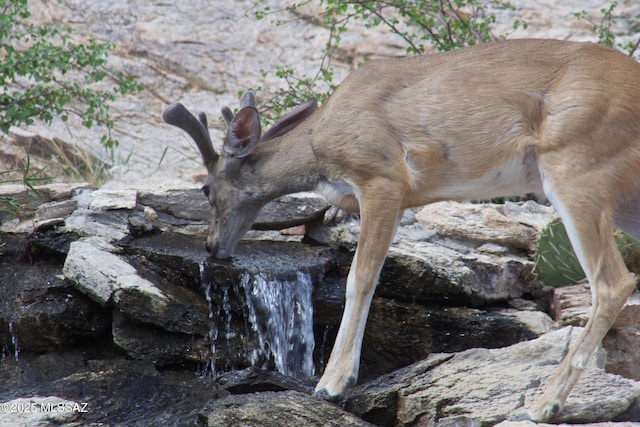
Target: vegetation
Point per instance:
(45, 76)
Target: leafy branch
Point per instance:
(44, 75)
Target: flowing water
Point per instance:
(276, 312)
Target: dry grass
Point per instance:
(35, 158)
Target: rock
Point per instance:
(53, 316)
(515, 226)
(179, 204)
(571, 305)
(254, 380)
(116, 391)
(104, 200)
(436, 273)
(105, 276)
(52, 200)
(532, 424)
(205, 70)
(399, 334)
(623, 351)
(291, 211)
(40, 311)
(485, 387)
(529, 213)
(437, 270)
(110, 280)
(52, 210)
(41, 411)
(145, 341)
(276, 408)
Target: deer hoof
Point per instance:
(545, 412)
(325, 395)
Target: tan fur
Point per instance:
(500, 119)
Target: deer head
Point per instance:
(234, 187)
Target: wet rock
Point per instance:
(39, 310)
(484, 387)
(116, 391)
(255, 380)
(276, 408)
(41, 411)
(55, 315)
(400, 333)
(145, 341)
(110, 280)
(433, 272)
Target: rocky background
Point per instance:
(108, 299)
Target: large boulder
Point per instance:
(485, 387)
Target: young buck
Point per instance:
(557, 118)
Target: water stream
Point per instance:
(281, 312)
(277, 315)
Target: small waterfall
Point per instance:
(14, 341)
(281, 312)
(277, 312)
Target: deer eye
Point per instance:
(205, 190)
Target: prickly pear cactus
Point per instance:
(630, 250)
(556, 262)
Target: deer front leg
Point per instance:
(378, 225)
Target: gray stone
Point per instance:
(59, 209)
(105, 276)
(181, 203)
(105, 199)
(110, 280)
(41, 411)
(434, 272)
(145, 341)
(288, 408)
(490, 386)
(486, 223)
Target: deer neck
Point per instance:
(287, 164)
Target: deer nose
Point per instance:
(217, 251)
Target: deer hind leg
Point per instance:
(380, 218)
(588, 220)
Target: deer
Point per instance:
(559, 119)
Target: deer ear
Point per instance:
(291, 120)
(243, 133)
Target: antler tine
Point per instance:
(178, 116)
(203, 119)
(227, 114)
